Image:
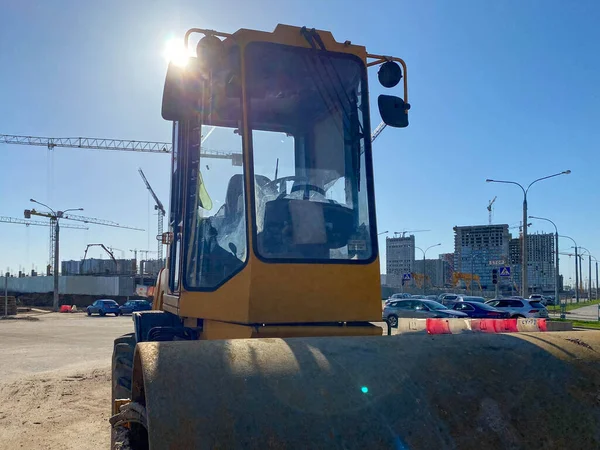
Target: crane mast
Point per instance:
(161, 214)
(490, 210)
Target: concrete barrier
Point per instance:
(457, 326)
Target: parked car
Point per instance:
(104, 307)
(478, 310)
(397, 296)
(540, 298)
(520, 308)
(431, 297)
(417, 309)
(449, 301)
(135, 305)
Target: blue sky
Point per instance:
(504, 90)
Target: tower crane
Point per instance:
(54, 227)
(37, 223)
(112, 144)
(161, 214)
(489, 208)
(128, 145)
(403, 233)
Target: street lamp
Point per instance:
(589, 273)
(556, 271)
(596, 290)
(383, 232)
(54, 218)
(524, 283)
(576, 267)
(424, 253)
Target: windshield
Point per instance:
(308, 113)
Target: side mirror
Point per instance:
(393, 111)
(183, 88)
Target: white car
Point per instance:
(540, 298)
(520, 308)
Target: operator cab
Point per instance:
(285, 127)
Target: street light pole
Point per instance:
(576, 271)
(596, 279)
(56, 216)
(524, 259)
(424, 253)
(556, 270)
(596, 289)
(589, 272)
(55, 299)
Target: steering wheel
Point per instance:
(305, 186)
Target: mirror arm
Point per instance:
(379, 59)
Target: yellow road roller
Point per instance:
(261, 334)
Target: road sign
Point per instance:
(407, 277)
(505, 271)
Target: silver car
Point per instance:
(417, 309)
(398, 296)
(520, 308)
(540, 298)
(450, 300)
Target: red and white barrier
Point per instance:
(456, 326)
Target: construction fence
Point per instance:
(72, 285)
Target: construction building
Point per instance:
(479, 249)
(400, 258)
(435, 271)
(541, 270)
(448, 258)
(151, 267)
(102, 267)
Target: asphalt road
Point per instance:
(58, 341)
(585, 313)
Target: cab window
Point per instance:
(309, 119)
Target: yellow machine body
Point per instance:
(281, 294)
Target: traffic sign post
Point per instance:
(405, 277)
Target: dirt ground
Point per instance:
(56, 411)
(55, 381)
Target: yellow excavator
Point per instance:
(262, 331)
